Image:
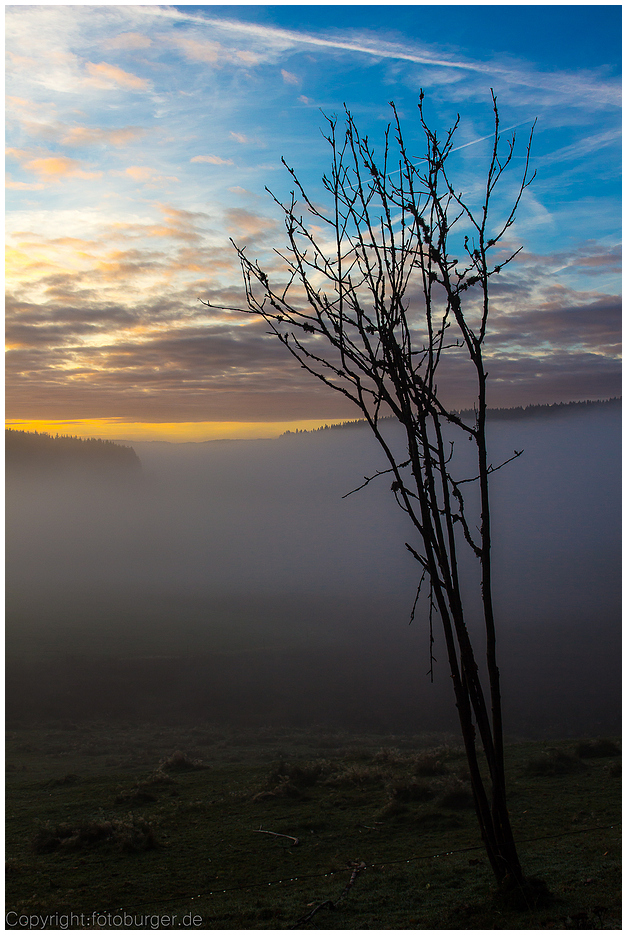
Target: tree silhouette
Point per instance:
(372, 301)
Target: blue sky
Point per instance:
(140, 138)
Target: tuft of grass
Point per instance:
(456, 794)
(179, 761)
(553, 763)
(130, 834)
(356, 775)
(410, 791)
(430, 764)
(595, 748)
(67, 780)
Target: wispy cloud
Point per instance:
(128, 41)
(214, 160)
(588, 88)
(51, 167)
(103, 75)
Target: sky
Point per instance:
(141, 138)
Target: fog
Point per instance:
(234, 583)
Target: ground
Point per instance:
(235, 829)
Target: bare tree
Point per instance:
(372, 301)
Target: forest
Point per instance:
(28, 452)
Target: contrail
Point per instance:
(569, 86)
(296, 38)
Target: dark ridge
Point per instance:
(26, 452)
(548, 409)
(517, 412)
(351, 424)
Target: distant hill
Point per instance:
(517, 412)
(38, 452)
(550, 409)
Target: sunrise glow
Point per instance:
(163, 431)
(142, 138)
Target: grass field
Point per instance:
(209, 829)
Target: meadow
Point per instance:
(111, 825)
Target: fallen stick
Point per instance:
(277, 835)
(328, 903)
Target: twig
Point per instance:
(277, 835)
(368, 479)
(328, 903)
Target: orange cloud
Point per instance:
(55, 168)
(105, 75)
(21, 186)
(87, 136)
(146, 175)
(140, 173)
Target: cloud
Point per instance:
(22, 186)
(242, 223)
(108, 76)
(54, 168)
(128, 40)
(122, 332)
(146, 176)
(214, 160)
(575, 152)
(213, 53)
(559, 324)
(577, 88)
(90, 136)
(289, 78)
(140, 173)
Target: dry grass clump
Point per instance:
(553, 762)
(456, 793)
(179, 761)
(305, 774)
(136, 795)
(288, 780)
(596, 748)
(130, 834)
(430, 764)
(357, 776)
(142, 790)
(410, 791)
(67, 780)
(391, 756)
